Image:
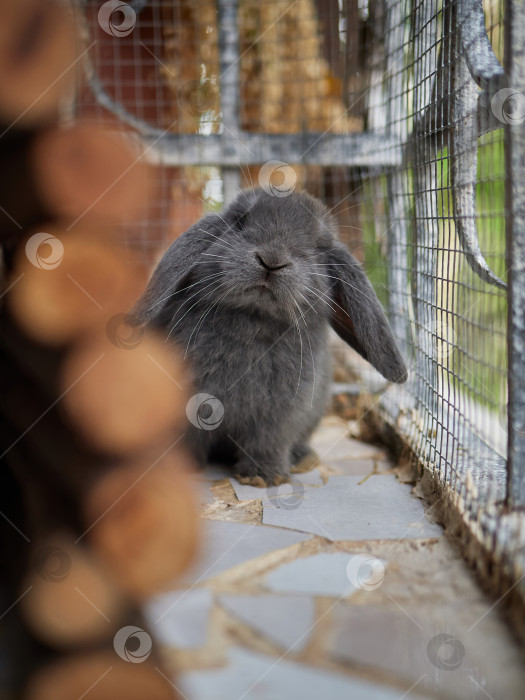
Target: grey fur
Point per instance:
(257, 338)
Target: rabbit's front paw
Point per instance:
(261, 474)
(260, 482)
(304, 458)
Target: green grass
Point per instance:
(475, 310)
(481, 355)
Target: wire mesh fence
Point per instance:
(400, 115)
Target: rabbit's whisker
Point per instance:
(216, 255)
(236, 233)
(221, 218)
(310, 346)
(201, 319)
(306, 300)
(225, 222)
(356, 264)
(313, 367)
(319, 274)
(300, 311)
(218, 238)
(355, 228)
(337, 204)
(249, 176)
(231, 229)
(220, 241)
(216, 274)
(298, 328)
(217, 303)
(309, 343)
(226, 257)
(328, 303)
(349, 208)
(199, 291)
(345, 209)
(330, 250)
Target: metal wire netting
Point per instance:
(389, 112)
(446, 252)
(297, 72)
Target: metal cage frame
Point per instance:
(474, 76)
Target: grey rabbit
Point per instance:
(249, 296)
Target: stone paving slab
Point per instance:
(180, 618)
(346, 448)
(351, 467)
(347, 508)
(204, 492)
(430, 647)
(336, 574)
(254, 676)
(244, 492)
(230, 544)
(331, 441)
(286, 620)
(362, 606)
(358, 467)
(215, 472)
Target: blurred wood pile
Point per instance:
(96, 504)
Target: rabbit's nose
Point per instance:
(272, 262)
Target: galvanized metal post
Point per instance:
(229, 62)
(397, 177)
(426, 208)
(515, 201)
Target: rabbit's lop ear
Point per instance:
(358, 317)
(178, 266)
(176, 270)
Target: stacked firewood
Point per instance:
(96, 502)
